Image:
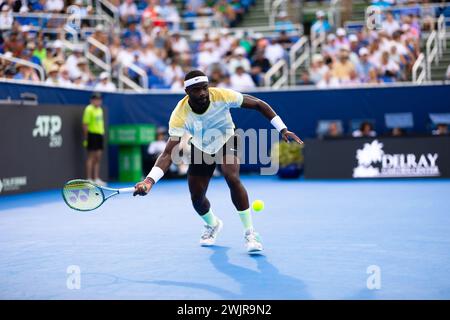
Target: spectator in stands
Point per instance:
(64, 78)
(387, 68)
(333, 130)
(238, 59)
(305, 79)
(447, 74)
(285, 40)
(343, 67)
(320, 25)
(318, 68)
(83, 70)
(127, 10)
(225, 82)
(441, 130)
(398, 132)
(364, 66)
(180, 47)
(241, 80)
(328, 81)
(26, 73)
(365, 130)
(390, 25)
(428, 16)
(104, 83)
(15, 44)
(169, 13)
(330, 49)
(225, 10)
(131, 34)
(259, 66)
(55, 6)
(72, 60)
(207, 57)
(274, 51)
(172, 72)
(40, 52)
(6, 18)
(53, 77)
(284, 23)
(341, 38)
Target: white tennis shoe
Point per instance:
(253, 242)
(210, 233)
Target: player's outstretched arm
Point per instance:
(251, 102)
(161, 166)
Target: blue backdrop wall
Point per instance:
(300, 109)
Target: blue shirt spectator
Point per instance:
(321, 25)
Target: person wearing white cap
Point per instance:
(321, 25)
(330, 49)
(204, 113)
(6, 18)
(318, 68)
(104, 83)
(364, 66)
(341, 39)
(239, 59)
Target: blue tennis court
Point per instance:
(320, 238)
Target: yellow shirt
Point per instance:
(210, 130)
(342, 71)
(93, 118)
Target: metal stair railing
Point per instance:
(280, 69)
(125, 80)
(419, 77)
(298, 55)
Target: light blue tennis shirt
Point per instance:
(210, 130)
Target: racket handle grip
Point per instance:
(126, 190)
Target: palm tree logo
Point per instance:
(371, 153)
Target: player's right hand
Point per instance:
(143, 187)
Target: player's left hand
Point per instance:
(289, 135)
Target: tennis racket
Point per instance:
(83, 195)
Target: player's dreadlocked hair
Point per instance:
(193, 73)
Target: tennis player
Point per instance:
(204, 109)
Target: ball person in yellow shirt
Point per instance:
(93, 133)
(205, 108)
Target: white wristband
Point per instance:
(278, 123)
(155, 174)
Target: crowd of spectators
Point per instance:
(151, 38)
(385, 54)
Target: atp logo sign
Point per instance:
(49, 126)
(373, 162)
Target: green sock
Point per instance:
(209, 218)
(246, 218)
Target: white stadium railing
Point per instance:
(125, 80)
(298, 56)
(278, 75)
(419, 70)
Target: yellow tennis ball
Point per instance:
(258, 205)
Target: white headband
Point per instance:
(195, 80)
